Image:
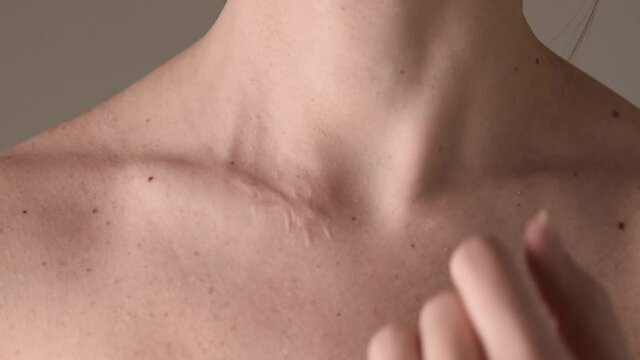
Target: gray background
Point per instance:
(59, 58)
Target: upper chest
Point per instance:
(176, 271)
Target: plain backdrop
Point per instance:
(60, 58)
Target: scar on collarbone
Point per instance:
(622, 225)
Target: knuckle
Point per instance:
(386, 339)
(473, 252)
(442, 303)
(439, 311)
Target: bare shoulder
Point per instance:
(46, 198)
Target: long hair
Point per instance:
(585, 30)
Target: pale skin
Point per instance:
(491, 315)
(301, 176)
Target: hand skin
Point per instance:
(492, 315)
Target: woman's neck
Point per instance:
(381, 101)
(370, 53)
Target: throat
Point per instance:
(369, 104)
(356, 54)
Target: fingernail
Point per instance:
(543, 223)
(542, 218)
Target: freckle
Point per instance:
(622, 225)
(148, 120)
(166, 314)
(150, 178)
(413, 246)
(396, 276)
(401, 71)
(44, 264)
(519, 204)
(88, 269)
(615, 113)
(337, 262)
(24, 211)
(233, 163)
(440, 149)
(538, 61)
(353, 218)
(575, 174)
(108, 223)
(338, 314)
(95, 211)
(210, 290)
(196, 253)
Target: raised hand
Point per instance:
(494, 314)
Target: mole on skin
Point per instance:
(616, 113)
(24, 211)
(150, 179)
(621, 225)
